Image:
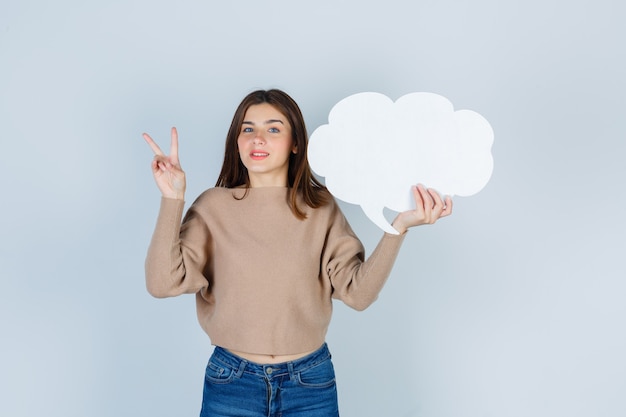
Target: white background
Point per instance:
(514, 306)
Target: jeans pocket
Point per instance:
(218, 373)
(321, 375)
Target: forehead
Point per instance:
(260, 113)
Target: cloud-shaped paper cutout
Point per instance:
(373, 150)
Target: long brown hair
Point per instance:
(299, 178)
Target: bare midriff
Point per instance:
(270, 359)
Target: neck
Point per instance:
(257, 181)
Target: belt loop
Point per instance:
(292, 374)
(242, 366)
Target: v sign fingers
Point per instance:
(166, 169)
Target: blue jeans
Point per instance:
(235, 387)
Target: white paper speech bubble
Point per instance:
(373, 150)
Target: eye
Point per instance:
(274, 130)
(247, 130)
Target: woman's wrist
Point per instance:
(400, 228)
(174, 196)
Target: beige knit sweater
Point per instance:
(263, 279)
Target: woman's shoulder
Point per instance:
(328, 210)
(214, 193)
(212, 197)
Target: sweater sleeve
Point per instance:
(356, 281)
(178, 255)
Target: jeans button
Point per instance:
(269, 371)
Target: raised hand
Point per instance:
(169, 176)
(429, 207)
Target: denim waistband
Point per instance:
(273, 369)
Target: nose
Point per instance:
(258, 139)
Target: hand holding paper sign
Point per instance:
(429, 207)
(372, 151)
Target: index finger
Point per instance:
(153, 145)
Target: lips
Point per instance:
(257, 155)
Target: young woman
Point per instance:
(265, 252)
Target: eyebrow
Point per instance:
(267, 122)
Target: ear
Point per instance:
(294, 149)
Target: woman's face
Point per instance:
(265, 144)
